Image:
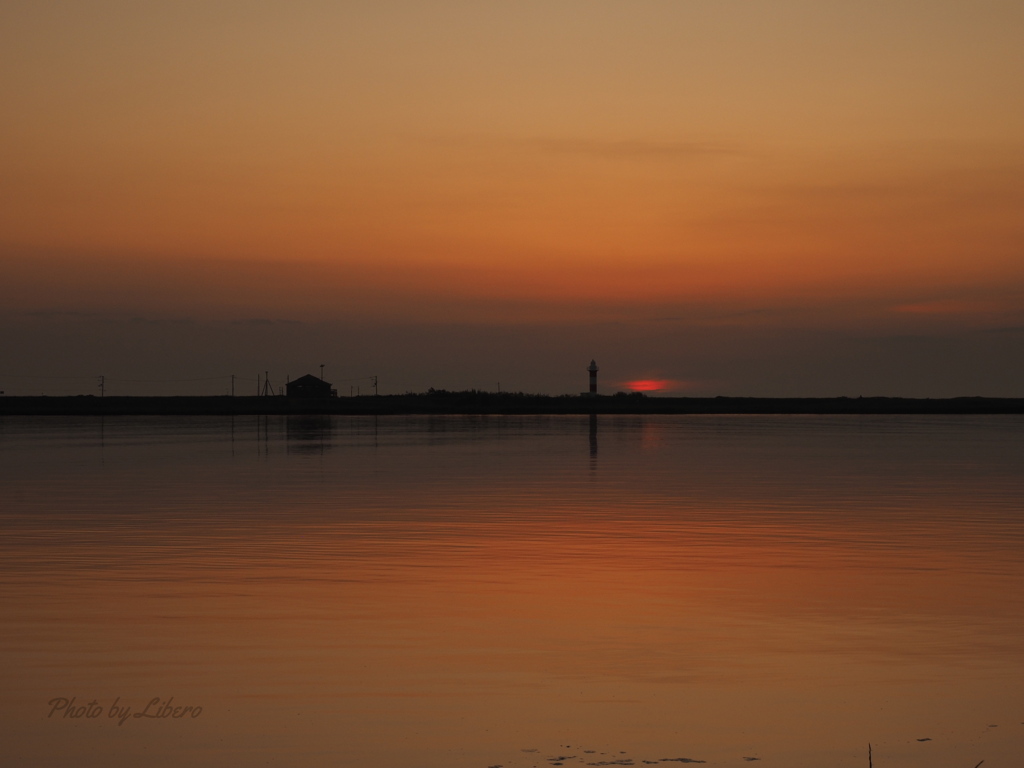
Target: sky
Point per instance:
(791, 198)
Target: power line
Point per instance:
(357, 378)
(36, 378)
(170, 381)
(116, 378)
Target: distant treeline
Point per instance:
(440, 401)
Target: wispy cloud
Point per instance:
(263, 322)
(1008, 329)
(944, 307)
(1001, 306)
(631, 149)
(609, 149)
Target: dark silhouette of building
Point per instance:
(593, 377)
(310, 386)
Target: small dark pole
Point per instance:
(257, 385)
(103, 381)
(375, 386)
(232, 385)
(321, 371)
(869, 756)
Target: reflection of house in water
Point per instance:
(310, 386)
(311, 433)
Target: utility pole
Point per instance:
(103, 381)
(232, 385)
(374, 386)
(321, 371)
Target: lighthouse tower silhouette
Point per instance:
(593, 377)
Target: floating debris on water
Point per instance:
(561, 759)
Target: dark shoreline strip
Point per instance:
(499, 404)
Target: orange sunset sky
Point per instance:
(802, 197)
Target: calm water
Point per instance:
(474, 592)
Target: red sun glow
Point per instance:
(649, 385)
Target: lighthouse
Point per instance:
(593, 377)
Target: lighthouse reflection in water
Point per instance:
(480, 591)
